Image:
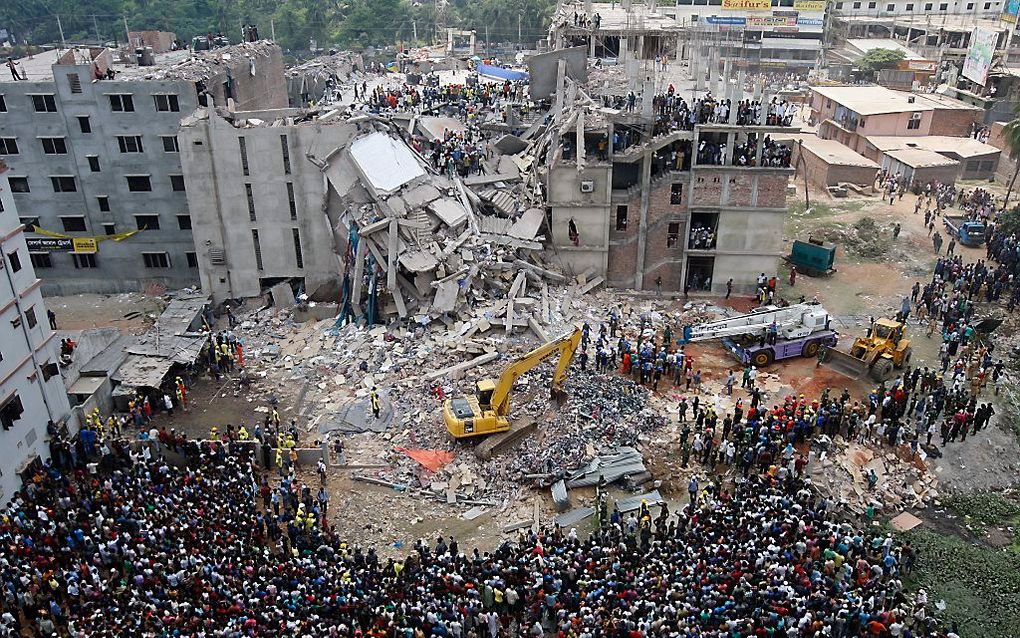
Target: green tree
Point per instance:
(877, 59)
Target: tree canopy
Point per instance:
(877, 59)
(330, 23)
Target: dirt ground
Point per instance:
(133, 313)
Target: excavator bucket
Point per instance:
(843, 363)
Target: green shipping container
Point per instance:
(813, 257)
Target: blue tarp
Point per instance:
(501, 73)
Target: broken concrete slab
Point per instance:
(573, 517)
(473, 513)
(510, 144)
(283, 296)
(463, 366)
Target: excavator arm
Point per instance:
(565, 346)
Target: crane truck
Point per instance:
(488, 412)
(801, 331)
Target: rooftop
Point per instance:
(172, 65)
(863, 45)
(614, 17)
(964, 147)
(834, 153)
(877, 100)
(920, 158)
(956, 23)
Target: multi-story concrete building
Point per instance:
(32, 394)
(90, 136)
(256, 195)
(652, 215)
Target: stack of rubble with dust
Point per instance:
(318, 80)
(425, 246)
(842, 471)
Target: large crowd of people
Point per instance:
(146, 548)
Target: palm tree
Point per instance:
(1011, 136)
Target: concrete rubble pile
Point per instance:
(317, 80)
(203, 65)
(424, 246)
(841, 473)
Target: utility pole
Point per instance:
(519, 14)
(414, 29)
(486, 40)
(63, 45)
(95, 23)
(127, 32)
(272, 29)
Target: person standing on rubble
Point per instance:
(376, 407)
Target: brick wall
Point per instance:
(772, 190)
(954, 122)
(945, 174)
(741, 187)
(1006, 166)
(707, 190)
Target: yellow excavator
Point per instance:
(489, 411)
(884, 349)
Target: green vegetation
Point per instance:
(330, 23)
(987, 508)
(877, 59)
(981, 586)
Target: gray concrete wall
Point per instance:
(120, 265)
(221, 218)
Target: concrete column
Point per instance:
(728, 155)
(765, 98)
(591, 46)
(642, 238)
(647, 95)
(623, 48)
(758, 148)
(639, 53)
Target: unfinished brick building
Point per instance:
(652, 210)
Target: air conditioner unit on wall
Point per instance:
(588, 186)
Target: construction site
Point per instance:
(662, 267)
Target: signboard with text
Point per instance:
(747, 5)
(979, 56)
(1011, 10)
(770, 21)
(74, 244)
(809, 5)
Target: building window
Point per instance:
(177, 183)
(30, 318)
(110, 229)
(676, 193)
(139, 183)
(258, 248)
(251, 201)
(122, 103)
(3, 104)
(672, 234)
(927, 6)
(290, 200)
(890, 8)
(84, 260)
(944, 6)
(910, 7)
(53, 145)
(49, 370)
(170, 144)
(147, 222)
(839, 5)
(14, 261)
(30, 223)
(41, 260)
(860, 123)
(84, 124)
(63, 184)
(73, 224)
(286, 154)
(130, 143)
(298, 257)
(192, 259)
(74, 82)
(243, 146)
(915, 122)
(19, 184)
(156, 260)
(104, 203)
(8, 146)
(11, 411)
(872, 5)
(184, 222)
(44, 103)
(988, 5)
(166, 103)
(621, 218)
(93, 163)
(857, 5)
